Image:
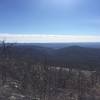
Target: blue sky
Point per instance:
(57, 17)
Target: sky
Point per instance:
(50, 20)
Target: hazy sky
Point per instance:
(79, 18)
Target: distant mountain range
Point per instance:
(62, 45)
(76, 56)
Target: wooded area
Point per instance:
(21, 78)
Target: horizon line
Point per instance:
(48, 38)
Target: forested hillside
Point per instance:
(87, 58)
(39, 73)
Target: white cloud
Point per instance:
(34, 38)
